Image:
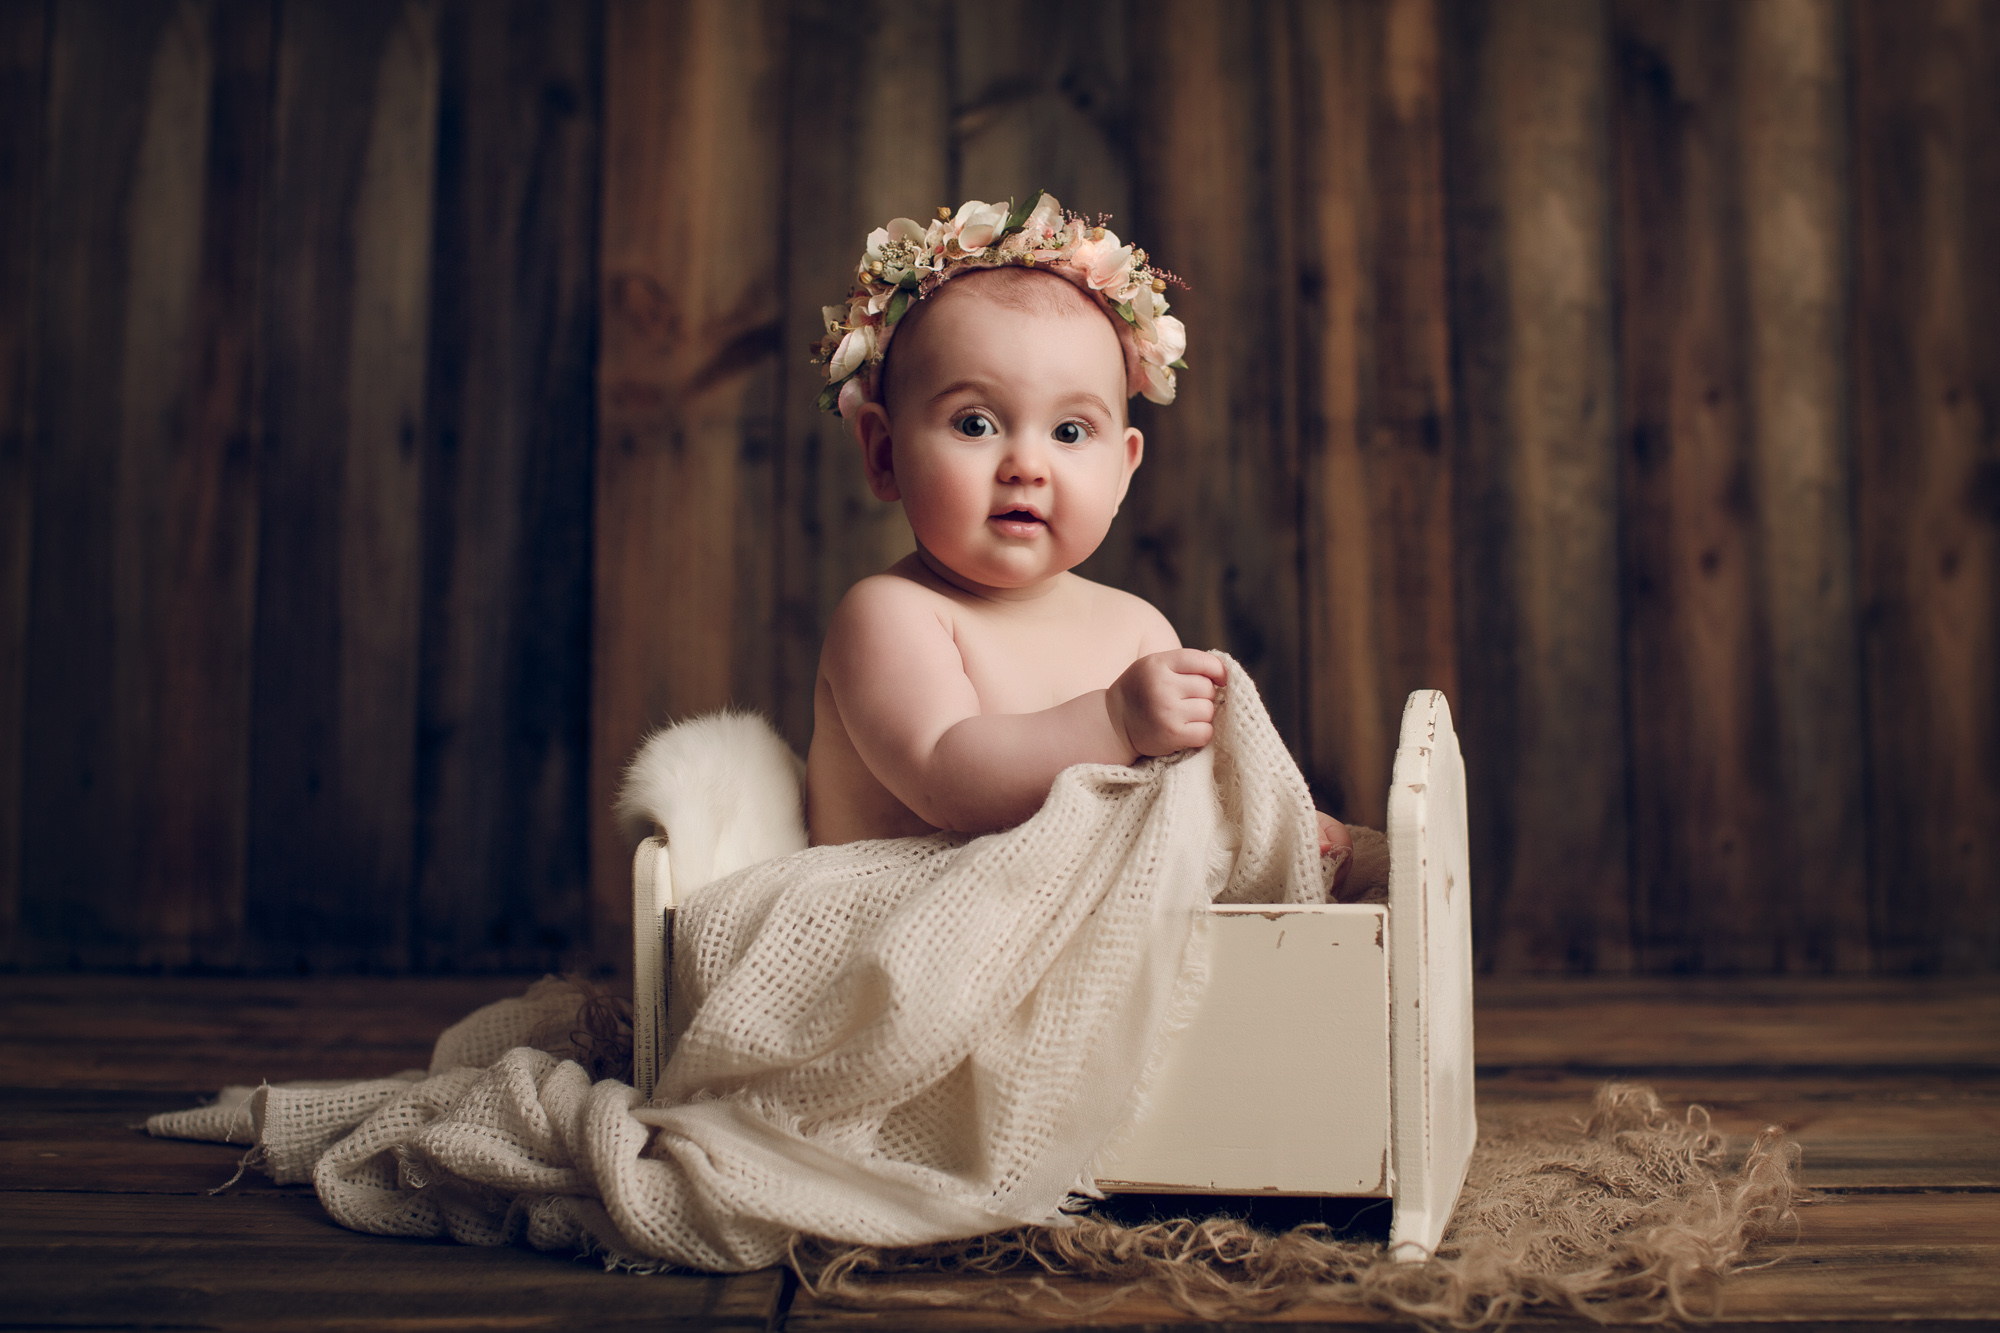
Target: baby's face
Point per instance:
(1004, 437)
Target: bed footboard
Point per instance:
(1430, 975)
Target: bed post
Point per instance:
(1430, 976)
(652, 960)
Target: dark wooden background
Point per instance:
(403, 404)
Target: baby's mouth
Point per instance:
(1018, 522)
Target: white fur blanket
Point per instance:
(892, 1042)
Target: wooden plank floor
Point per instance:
(1892, 1088)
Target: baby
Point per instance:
(954, 686)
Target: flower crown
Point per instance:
(906, 262)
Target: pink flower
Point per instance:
(1105, 263)
(1045, 221)
(1169, 343)
(1159, 387)
(852, 396)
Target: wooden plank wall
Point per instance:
(403, 406)
(304, 437)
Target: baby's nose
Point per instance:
(1024, 464)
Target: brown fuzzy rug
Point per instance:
(1631, 1216)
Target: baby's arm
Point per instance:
(913, 715)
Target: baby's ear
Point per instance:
(1135, 453)
(878, 458)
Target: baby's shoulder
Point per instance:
(1108, 606)
(887, 603)
(891, 590)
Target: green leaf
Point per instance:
(1124, 309)
(1017, 217)
(829, 398)
(897, 305)
(1178, 363)
(909, 281)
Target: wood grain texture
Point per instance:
(691, 168)
(1739, 609)
(1701, 702)
(114, 1228)
(1624, 367)
(1927, 382)
(275, 1261)
(1536, 484)
(1766, 1024)
(1792, 72)
(23, 98)
(78, 1139)
(1376, 402)
(1040, 106)
(504, 702)
(196, 1033)
(163, 260)
(79, 731)
(332, 812)
(1212, 520)
(868, 138)
(199, 516)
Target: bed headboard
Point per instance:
(1430, 975)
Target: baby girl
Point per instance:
(955, 685)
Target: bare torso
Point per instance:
(1018, 657)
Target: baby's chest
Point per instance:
(1028, 672)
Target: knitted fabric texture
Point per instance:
(894, 1042)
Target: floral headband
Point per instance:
(906, 262)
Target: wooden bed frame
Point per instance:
(1331, 1051)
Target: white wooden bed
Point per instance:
(1331, 1054)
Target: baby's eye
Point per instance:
(973, 427)
(1071, 432)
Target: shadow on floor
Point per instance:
(1349, 1219)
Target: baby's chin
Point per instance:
(1017, 569)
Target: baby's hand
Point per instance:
(1166, 701)
(1333, 835)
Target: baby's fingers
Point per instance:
(1194, 662)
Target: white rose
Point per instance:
(1145, 304)
(979, 225)
(899, 230)
(1159, 386)
(854, 351)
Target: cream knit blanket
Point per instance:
(893, 1042)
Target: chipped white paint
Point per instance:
(1279, 1083)
(1430, 973)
